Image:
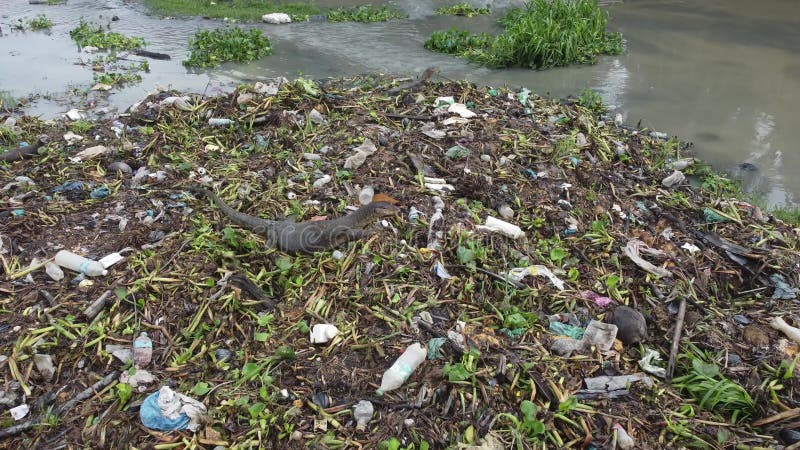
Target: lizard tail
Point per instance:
(252, 223)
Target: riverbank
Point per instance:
(596, 217)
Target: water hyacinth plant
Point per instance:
(364, 13)
(542, 34)
(462, 9)
(210, 48)
(88, 34)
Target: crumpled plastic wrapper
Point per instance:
(646, 363)
(167, 410)
(361, 152)
(633, 249)
(518, 273)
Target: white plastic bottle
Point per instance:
(402, 368)
(86, 266)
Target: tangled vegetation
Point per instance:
(458, 42)
(91, 34)
(229, 316)
(365, 13)
(543, 34)
(241, 10)
(40, 22)
(210, 48)
(7, 101)
(462, 9)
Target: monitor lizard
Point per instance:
(310, 236)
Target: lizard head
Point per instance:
(384, 209)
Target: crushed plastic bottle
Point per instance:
(402, 368)
(362, 412)
(142, 350)
(77, 263)
(54, 271)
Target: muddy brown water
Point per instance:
(722, 74)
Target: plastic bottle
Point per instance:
(362, 412)
(216, 122)
(366, 194)
(142, 350)
(402, 368)
(86, 266)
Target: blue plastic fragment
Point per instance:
(435, 347)
(69, 186)
(565, 329)
(783, 290)
(101, 192)
(531, 173)
(18, 212)
(152, 418)
(513, 333)
(570, 231)
(575, 161)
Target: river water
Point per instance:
(723, 74)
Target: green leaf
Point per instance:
(708, 369)
(514, 321)
(256, 408)
(121, 293)
(124, 392)
(557, 254)
(528, 409)
(283, 263)
(538, 427)
(250, 370)
(201, 388)
(456, 372)
(285, 352)
(465, 255)
(261, 337)
(265, 320)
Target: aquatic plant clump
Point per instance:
(458, 42)
(89, 34)
(462, 9)
(364, 13)
(210, 48)
(541, 35)
(41, 22)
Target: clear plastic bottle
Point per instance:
(86, 266)
(362, 412)
(403, 368)
(142, 350)
(54, 271)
